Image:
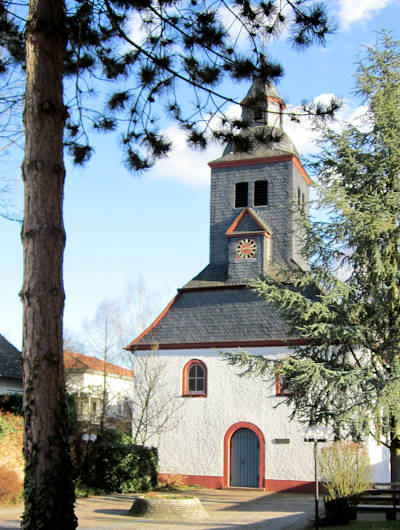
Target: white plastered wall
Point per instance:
(10, 386)
(118, 387)
(195, 445)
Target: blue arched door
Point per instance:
(245, 459)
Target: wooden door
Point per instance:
(245, 459)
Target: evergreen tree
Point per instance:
(145, 51)
(348, 373)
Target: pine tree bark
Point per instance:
(48, 490)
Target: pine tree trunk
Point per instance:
(48, 491)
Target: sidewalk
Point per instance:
(226, 509)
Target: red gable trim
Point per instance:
(131, 346)
(263, 160)
(248, 211)
(248, 101)
(228, 344)
(278, 100)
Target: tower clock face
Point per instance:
(246, 248)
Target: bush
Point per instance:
(10, 486)
(116, 465)
(345, 469)
(11, 440)
(346, 473)
(11, 403)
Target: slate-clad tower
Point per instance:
(253, 194)
(253, 202)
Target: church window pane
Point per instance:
(241, 194)
(261, 193)
(195, 379)
(282, 386)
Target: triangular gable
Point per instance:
(248, 222)
(153, 325)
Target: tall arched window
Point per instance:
(194, 379)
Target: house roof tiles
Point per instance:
(80, 362)
(10, 360)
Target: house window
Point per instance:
(261, 193)
(241, 193)
(282, 386)
(194, 380)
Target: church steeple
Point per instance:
(263, 106)
(253, 194)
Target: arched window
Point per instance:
(194, 380)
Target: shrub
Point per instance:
(10, 486)
(10, 423)
(11, 440)
(116, 465)
(345, 469)
(11, 403)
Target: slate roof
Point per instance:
(214, 316)
(281, 146)
(80, 362)
(259, 89)
(10, 365)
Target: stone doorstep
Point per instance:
(239, 488)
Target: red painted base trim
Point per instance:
(205, 481)
(211, 482)
(289, 486)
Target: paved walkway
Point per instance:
(226, 509)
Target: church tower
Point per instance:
(255, 194)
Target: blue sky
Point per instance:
(121, 227)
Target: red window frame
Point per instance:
(279, 383)
(185, 379)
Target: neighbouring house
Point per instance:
(99, 387)
(10, 368)
(230, 432)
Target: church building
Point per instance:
(229, 432)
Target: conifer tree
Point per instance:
(348, 373)
(120, 65)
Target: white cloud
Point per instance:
(355, 10)
(185, 164)
(136, 30)
(190, 167)
(304, 135)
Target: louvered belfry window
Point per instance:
(261, 193)
(241, 194)
(258, 114)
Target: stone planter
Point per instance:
(167, 507)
